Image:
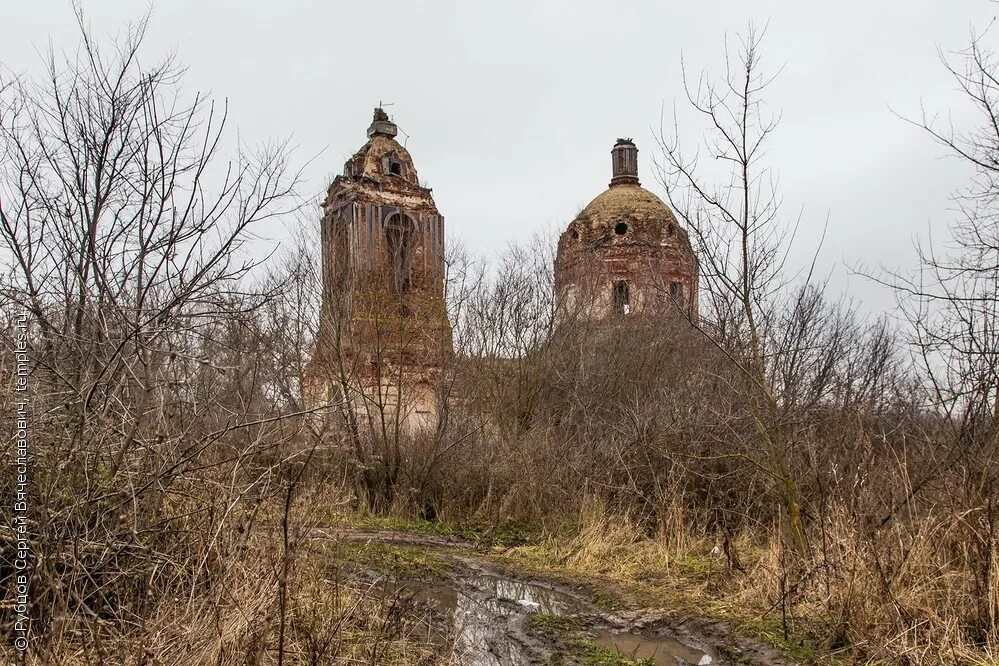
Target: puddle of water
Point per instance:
(662, 651)
(488, 611)
(480, 609)
(530, 598)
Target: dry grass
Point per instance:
(606, 546)
(891, 602)
(331, 620)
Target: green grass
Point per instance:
(507, 534)
(554, 625)
(697, 565)
(392, 559)
(570, 634)
(604, 601)
(798, 644)
(598, 656)
(589, 653)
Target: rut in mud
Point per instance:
(496, 617)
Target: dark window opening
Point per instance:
(399, 241)
(676, 294)
(622, 297)
(574, 234)
(395, 167)
(337, 230)
(621, 228)
(669, 229)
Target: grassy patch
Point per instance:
(587, 652)
(605, 600)
(403, 525)
(570, 634)
(594, 655)
(554, 625)
(798, 644)
(696, 564)
(393, 560)
(507, 534)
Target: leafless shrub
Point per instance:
(166, 376)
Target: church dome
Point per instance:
(625, 201)
(382, 157)
(629, 203)
(625, 253)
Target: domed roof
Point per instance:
(373, 159)
(625, 202)
(382, 156)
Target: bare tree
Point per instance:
(952, 305)
(124, 233)
(742, 241)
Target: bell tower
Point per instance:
(383, 334)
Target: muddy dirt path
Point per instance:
(501, 617)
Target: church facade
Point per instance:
(384, 336)
(383, 333)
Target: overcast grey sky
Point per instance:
(511, 107)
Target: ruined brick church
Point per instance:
(625, 254)
(383, 332)
(384, 336)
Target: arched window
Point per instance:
(676, 295)
(399, 241)
(622, 297)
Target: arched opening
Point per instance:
(677, 296)
(622, 297)
(399, 242)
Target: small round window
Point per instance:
(621, 228)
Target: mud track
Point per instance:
(503, 617)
